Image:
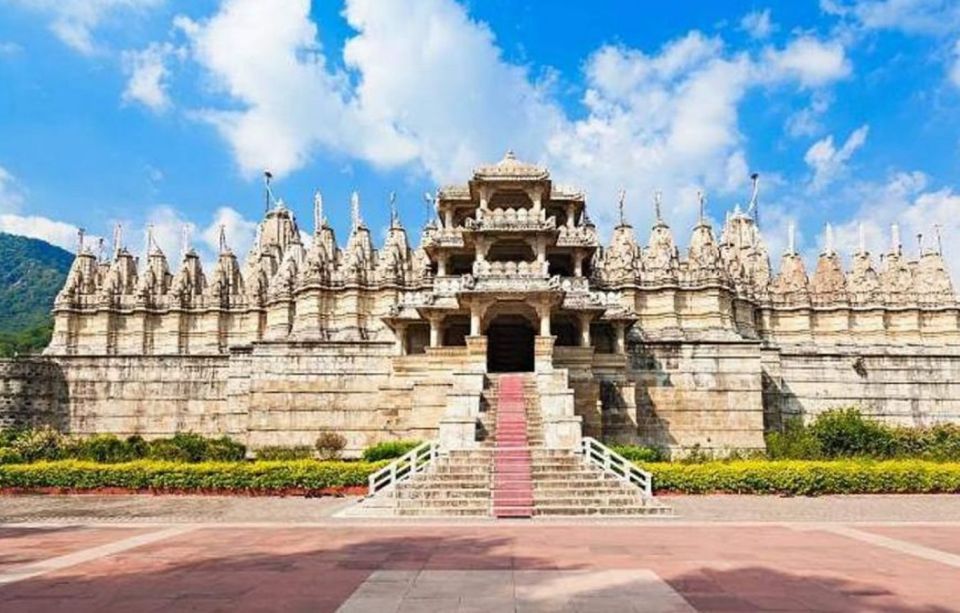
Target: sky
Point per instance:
(165, 113)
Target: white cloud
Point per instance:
(8, 48)
(35, 226)
(807, 121)
(424, 85)
(11, 193)
(74, 21)
(829, 163)
(904, 199)
(910, 16)
(812, 62)
(266, 56)
(240, 231)
(955, 67)
(758, 24)
(147, 75)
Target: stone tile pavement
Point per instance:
(885, 563)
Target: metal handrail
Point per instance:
(404, 467)
(616, 465)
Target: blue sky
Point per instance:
(165, 113)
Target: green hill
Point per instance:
(31, 274)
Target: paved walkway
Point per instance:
(243, 562)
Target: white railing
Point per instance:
(404, 467)
(616, 465)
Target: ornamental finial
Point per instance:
(828, 246)
(895, 245)
(394, 217)
(862, 239)
(223, 239)
(936, 229)
(355, 210)
(267, 192)
(80, 234)
(117, 239)
(620, 199)
(318, 219)
(791, 238)
(753, 210)
(184, 241)
(657, 199)
(701, 201)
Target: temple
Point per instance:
(624, 343)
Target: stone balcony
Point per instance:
(443, 238)
(578, 236)
(512, 219)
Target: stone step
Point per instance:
(431, 512)
(558, 510)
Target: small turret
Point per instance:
(829, 284)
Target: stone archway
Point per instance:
(510, 328)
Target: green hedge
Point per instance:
(801, 477)
(388, 450)
(264, 477)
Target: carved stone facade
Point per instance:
(630, 342)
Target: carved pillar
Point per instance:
(578, 263)
(621, 345)
(434, 331)
(401, 343)
(448, 217)
(584, 330)
(543, 310)
(475, 315)
(570, 214)
(442, 265)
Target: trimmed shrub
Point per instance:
(10, 456)
(165, 450)
(104, 448)
(224, 449)
(330, 445)
(388, 450)
(138, 447)
(845, 433)
(274, 453)
(8, 435)
(795, 442)
(250, 477)
(808, 478)
(640, 453)
(42, 443)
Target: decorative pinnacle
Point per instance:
(791, 238)
(702, 201)
(100, 243)
(267, 192)
(752, 210)
(394, 217)
(355, 210)
(184, 241)
(863, 239)
(936, 229)
(919, 245)
(895, 239)
(80, 234)
(223, 239)
(318, 220)
(620, 199)
(828, 247)
(117, 239)
(657, 199)
(148, 246)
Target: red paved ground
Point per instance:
(19, 546)
(714, 567)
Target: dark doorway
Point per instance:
(510, 346)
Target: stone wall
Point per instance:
(32, 393)
(908, 385)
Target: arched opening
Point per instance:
(510, 199)
(560, 264)
(603, 337)
(566, 331)
(455, 332)
(418, 338)
(510, 344)
(511, 251)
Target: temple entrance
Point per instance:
(510, 344)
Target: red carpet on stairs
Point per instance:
(512, 476)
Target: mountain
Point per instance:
(31, 273)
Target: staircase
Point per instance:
(511, 474)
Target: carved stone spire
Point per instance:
(355, 221)
(621, 197)
(657, 201)
(319, 221)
